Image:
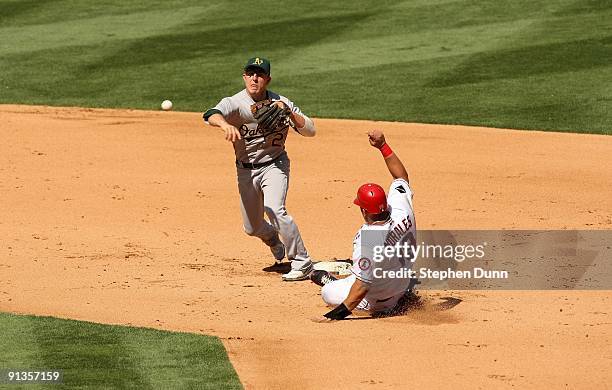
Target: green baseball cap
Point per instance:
(258, 62)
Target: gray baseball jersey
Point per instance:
(264, 187)
(254, 147)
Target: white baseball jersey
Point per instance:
(257, 144)
(400, 229)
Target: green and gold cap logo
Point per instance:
(259, 62)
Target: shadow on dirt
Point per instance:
(449, 303)
(421, 310)
(282, 268)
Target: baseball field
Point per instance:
(123, 261)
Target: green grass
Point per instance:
(104, 356)
(531, 64)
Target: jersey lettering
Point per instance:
(248, 133)
(398, 231)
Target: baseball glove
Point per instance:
(270, 116)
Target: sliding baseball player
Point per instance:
(378, 281)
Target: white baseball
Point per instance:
(166, 105)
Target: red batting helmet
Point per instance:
(371, 197)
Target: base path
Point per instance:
(132, 217)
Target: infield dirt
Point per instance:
(132, 217)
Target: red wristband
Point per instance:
(386, 150)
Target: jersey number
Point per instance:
(277, 139)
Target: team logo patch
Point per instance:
(364, 263)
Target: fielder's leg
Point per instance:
(274, 185)
(252, 207)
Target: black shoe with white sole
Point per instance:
(321, 278)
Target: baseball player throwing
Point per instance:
(378, 280)
(261, 161)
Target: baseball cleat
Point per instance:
(278, 251)
(321, 278)
(295, 275)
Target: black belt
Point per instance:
(244, 165)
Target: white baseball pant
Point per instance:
(334, 293)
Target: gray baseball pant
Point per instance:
(265, 190)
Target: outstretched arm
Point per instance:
(231, 132)
(394, 164)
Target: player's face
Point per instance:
(255, 81)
